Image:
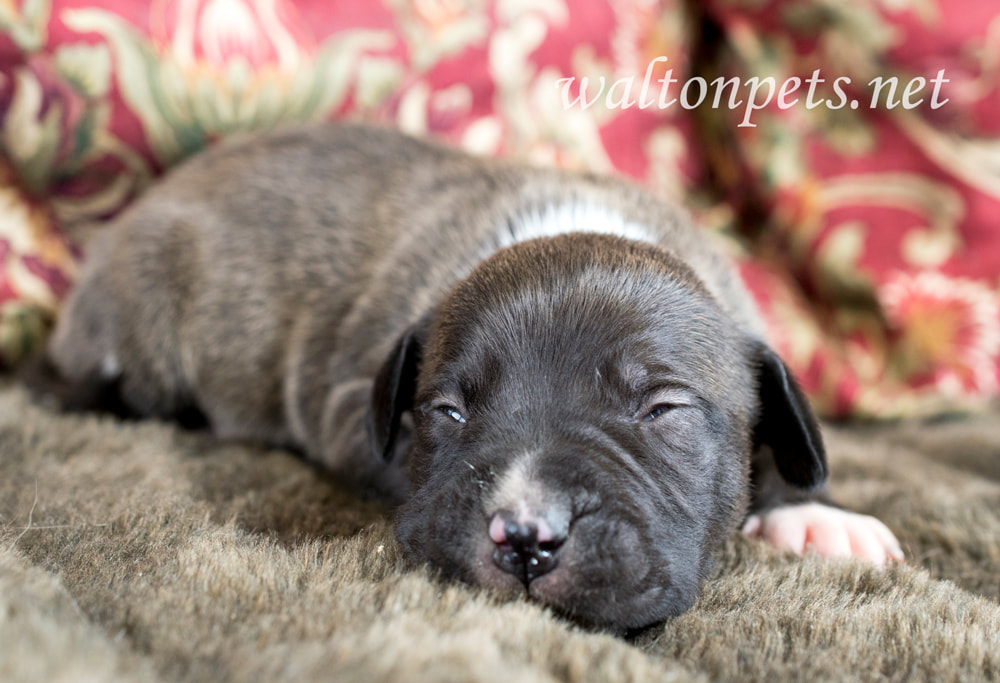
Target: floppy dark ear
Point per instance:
(787, 425)
(393, 392)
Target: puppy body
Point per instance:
(265, 283)
(561, 358)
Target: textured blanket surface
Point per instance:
(138, 551)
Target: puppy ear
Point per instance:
(787, 425)
(393, 391)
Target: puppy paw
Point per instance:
(828, 531)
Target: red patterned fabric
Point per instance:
(867, 235)
(880, 255)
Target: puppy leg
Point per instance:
(85, 365)
(826, 530)
(93, 391)
(346, 449)
(794, 519)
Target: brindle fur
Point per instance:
(327, 288)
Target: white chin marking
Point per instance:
(516, 490)
(560, 219)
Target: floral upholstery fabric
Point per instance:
(877, 246)
(98, 98)
(868, 236)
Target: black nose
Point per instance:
(526, 546)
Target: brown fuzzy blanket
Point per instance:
(137, 551)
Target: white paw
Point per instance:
(828, 531)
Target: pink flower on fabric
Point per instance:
(219, 32)
(947, 331)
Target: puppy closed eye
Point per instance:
(452, 412)
(657, 411)
(663, 402)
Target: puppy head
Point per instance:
(583, 415)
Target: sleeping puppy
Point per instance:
(564, 384)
